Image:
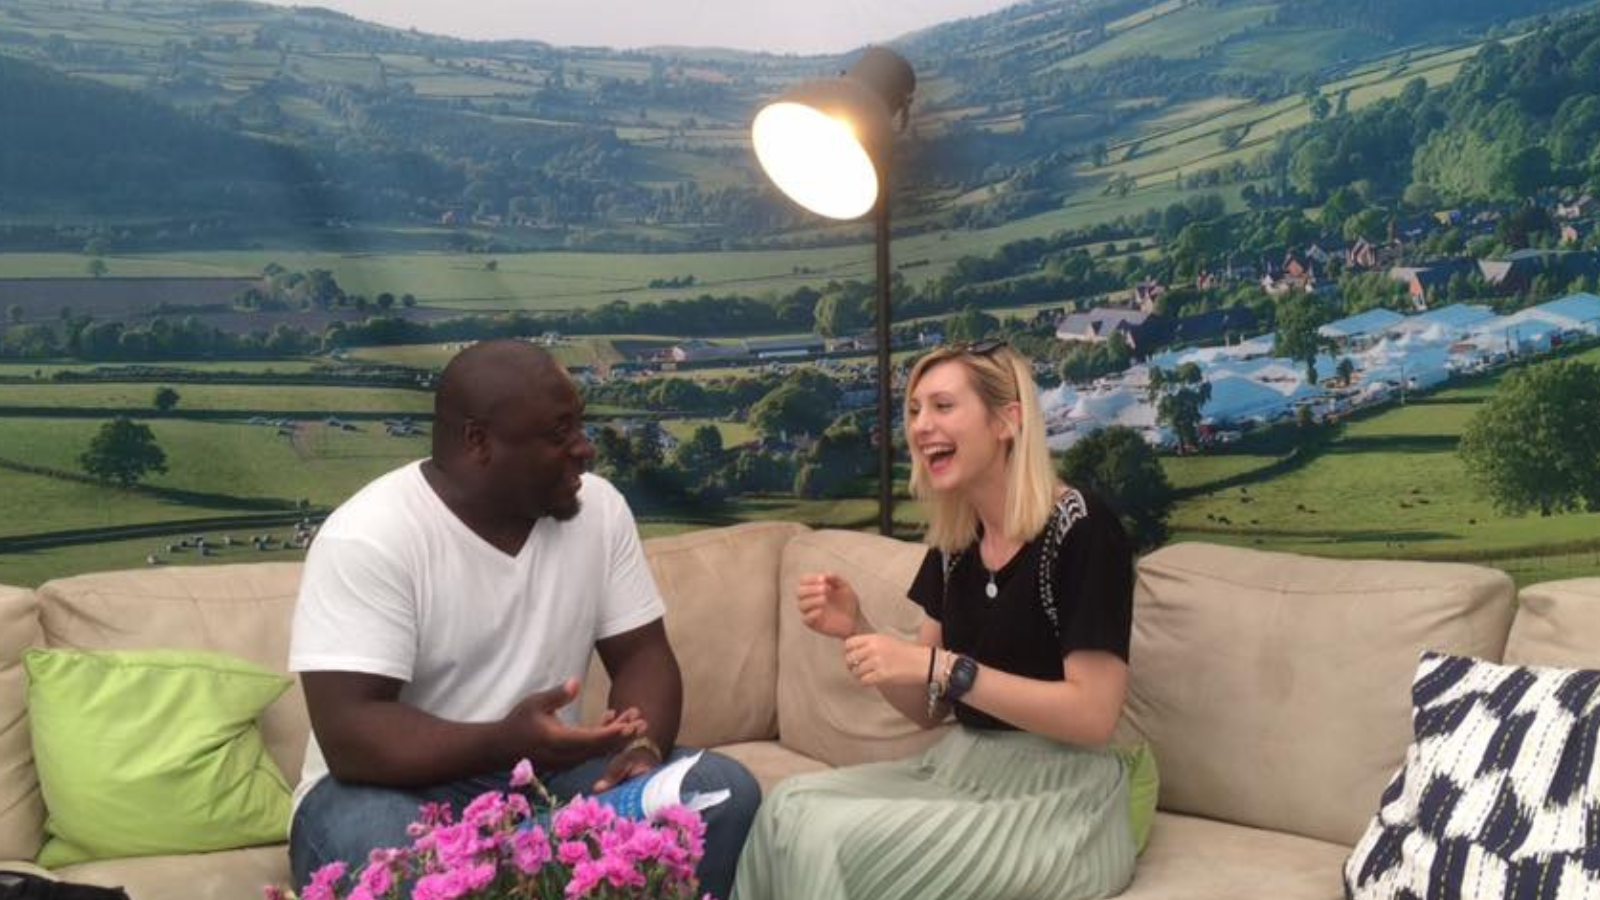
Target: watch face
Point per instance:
(962, 674)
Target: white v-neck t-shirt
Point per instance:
(396, 585)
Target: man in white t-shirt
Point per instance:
(449, 608)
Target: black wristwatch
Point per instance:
(963, 672)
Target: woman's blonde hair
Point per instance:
(999, 377)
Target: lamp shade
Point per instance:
(826, 143)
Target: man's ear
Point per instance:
(475, 441)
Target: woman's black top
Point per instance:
(1091, 566)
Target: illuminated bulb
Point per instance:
(816, 159)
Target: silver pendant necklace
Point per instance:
(991, 590)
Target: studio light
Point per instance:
(827, 145)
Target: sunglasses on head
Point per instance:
(979, 348)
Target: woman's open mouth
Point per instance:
(940, 457)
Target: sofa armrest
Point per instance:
(26, 868)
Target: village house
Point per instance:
(1515, 272)
(1296, 273)
(1146, 293)
(1579, 208)
(1097, 325)
(1427, 282)
(700, 350)
(785, 348)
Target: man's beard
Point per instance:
(568, 511)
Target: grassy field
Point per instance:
(570, 280)
(1182, 141)
(319, 463)
(46, 370)
(1179, 34)
(570, 352)
(54, 504)
(1392, 485)
(34, 567)
(733, 433)
(242, 398)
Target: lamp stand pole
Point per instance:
(885, 386)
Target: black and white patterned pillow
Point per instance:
(1499, 796)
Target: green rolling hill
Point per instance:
(205, 124)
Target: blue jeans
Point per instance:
(344, 821)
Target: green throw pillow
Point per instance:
(1144, 784)
(152, 752)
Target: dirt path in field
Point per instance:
(301, 440)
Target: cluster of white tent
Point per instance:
(1387, 351)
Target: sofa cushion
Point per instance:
(1275, 688)
(822, 712)
(770, 762)
(243, 610)
(1198, 859)
(1496, 789)
(151, 752)
(21, 807)
(1557, 624)
(228, 875)
(721, 591)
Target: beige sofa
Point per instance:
(1273, 688)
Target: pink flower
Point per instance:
(485, 811)
(646, 844)
(429, 817)
(530, 850)
(494, 849)
(571, 853)
(522, 774)
(273, 892)
(582, 816)
(620, 872)
(684, 819)
(454, 882)
(518, 805)
(438, 886)
(376, 879)
(585, 876)
(477, 877)
(459, 844)
(677, 862)
(386, 856)
(617, 836)
(322, 882)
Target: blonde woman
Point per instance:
(1027, 589)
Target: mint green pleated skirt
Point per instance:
(978, 816)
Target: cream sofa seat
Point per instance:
(1273, 688)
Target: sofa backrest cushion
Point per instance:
(1557, 624)
(1275, 688)
(244, 610)
(822, 712)
(720, 586)
(21, 806)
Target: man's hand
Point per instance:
(628, 764)
(877, 659)
(828, 605)
(553, 744)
